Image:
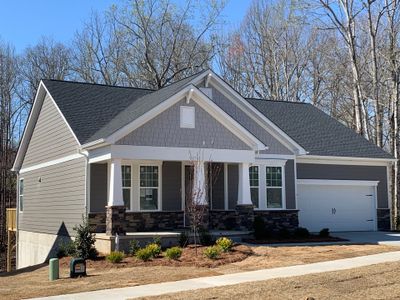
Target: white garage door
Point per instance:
(337, 205)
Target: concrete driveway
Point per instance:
(371, 237)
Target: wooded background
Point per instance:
(343, 56)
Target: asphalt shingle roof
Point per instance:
(315, 131)
(96, 111)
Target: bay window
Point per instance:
(274, 187)
(149, 185)
(127, 185)
(254, 185)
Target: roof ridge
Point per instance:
(99, 84)
(272, 100)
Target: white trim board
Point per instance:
(342, 160)
(337, 182)
(51, 163)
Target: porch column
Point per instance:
(199, 184)
(115, 215)
(244, 207)
(244, 197)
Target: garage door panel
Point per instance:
(337, 207)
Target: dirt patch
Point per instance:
(372, 282)
(104, 275)
(310, 239)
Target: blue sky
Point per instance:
(23, 22)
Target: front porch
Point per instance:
(146, 196)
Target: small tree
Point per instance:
(196, 196)
(84, 240)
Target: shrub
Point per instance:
(174, 253)
(144, 254)
(225, 244)
(84, 241)
(259, 228)
(157, 240)
(284, 233)
(205, 237)
(134, 246)
(301, 232)
(324, 232)
(115, 257)
(212, 252)
(66, 249)
(183, 239)
(154, 249)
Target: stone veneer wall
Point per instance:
(241, 218)
(279, 219)
(383, 216)
(152, 221)
(97, 221)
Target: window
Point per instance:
(21, 194)
(126, 185)
(274, 187)
(149, 187)
(187, 116)
(254, 184)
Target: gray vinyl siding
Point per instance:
(51, 138)
(233, 183)
(165, 131)
(171, 186)
(290, 189)
(274, 146)
(56, 203)
(345, 172)
(98, 187)
(217, 186)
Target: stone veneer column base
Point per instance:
(276, 220)
(245, 216)
(115, 220)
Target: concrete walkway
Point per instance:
(371, 237)
(229, 279)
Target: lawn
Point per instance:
(372, 282)
(131, 272)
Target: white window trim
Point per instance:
(191, 110)
(19, 195)
(283, 188)
(258, 187)
(128, 188)
(159, 200)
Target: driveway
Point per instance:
(371, 237)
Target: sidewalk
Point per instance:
(229, 279)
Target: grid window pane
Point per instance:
(274, 197)
(149, 176)
(148, 199)
(126, 195)
(274, 176)
(254, 177)
(126, 176)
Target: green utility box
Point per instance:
(54, 267)
(77, 267)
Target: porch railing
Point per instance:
(11, 217)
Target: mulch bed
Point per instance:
(310, 239)
(188, 258)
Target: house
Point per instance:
(122, 156)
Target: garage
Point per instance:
(340, 205)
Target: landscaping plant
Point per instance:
(324, 233)
(212, 252)
(183, 239)
(144, 254)
(174, 253)
(154, 249)
(84, 241)
(66, 248)
(301, 233)
(115, 257)
(134, 246)
(205, 237)
(157, 240)
(259, 228)
(225, 244)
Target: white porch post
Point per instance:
(115, 184)
(244, 197)
(199, 183)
